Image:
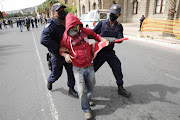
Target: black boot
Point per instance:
(123, 92)
(49, 86)
(73, 92)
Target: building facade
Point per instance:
(132, 10)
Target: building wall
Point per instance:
(145, 7)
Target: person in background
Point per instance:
(111, 28)
(28, 24)
(51, 38)
(35, 20)
(0, 25)
(20, 24)
(32, 22)
(141, 21)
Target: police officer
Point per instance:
(50, 38)
(111, 28)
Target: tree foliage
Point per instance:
(1, 16)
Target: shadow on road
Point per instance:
(141, 94)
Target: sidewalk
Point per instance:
(131, 30)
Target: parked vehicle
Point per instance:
(93, 17)
(83, 16)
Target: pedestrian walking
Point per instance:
(50, 38)
(20, 24)
(28, 24)
(35, 20)
(32, 22)
(46, 20)
(111, 28)
(4, 22)
(141, 21)
(75, 38)
(0, 25)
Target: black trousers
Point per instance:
(113, 62)
(57, 68)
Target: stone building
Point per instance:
(132, 10)
(69, 3)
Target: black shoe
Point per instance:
(73, 92)
(123, 92)
(49, 86)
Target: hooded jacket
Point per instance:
(79, 46)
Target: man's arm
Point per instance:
(47, 41)
(97, 28)
(120, 32)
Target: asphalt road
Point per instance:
(151, 74)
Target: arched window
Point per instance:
(89, 6)
(160, 5)
(66, 1)
(94, 6)
(135, 7)
(83, 9)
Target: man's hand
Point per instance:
(104, 40)
(67, 57)
(64, 49)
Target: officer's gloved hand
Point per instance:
(110, 39)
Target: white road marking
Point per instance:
(54, 111)
(172, 77)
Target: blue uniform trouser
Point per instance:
(57, 67)
(113, 62)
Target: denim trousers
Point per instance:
(85, 82)
(21, 27)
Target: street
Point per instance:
(151, 74)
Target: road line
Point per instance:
(172, 77)
(54, 111)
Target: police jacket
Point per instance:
(104, 30)
(52, 35)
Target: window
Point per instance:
(91, 15)
(66, 1)
(103, 15)
(135, 7)
(160, 4)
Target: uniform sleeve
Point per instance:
(93, 34)
(47, 40)
(97, 28)
(120, 32)
(63, 43)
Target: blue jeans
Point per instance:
(85, 82)
(21, 27)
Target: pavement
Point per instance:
(131, 30)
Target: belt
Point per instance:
(53, 54)
(88, 66)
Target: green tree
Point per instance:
(1, 16)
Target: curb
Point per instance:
(174, 46)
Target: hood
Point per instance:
(71, 20)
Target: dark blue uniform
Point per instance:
(50, 38)
(108, 54)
